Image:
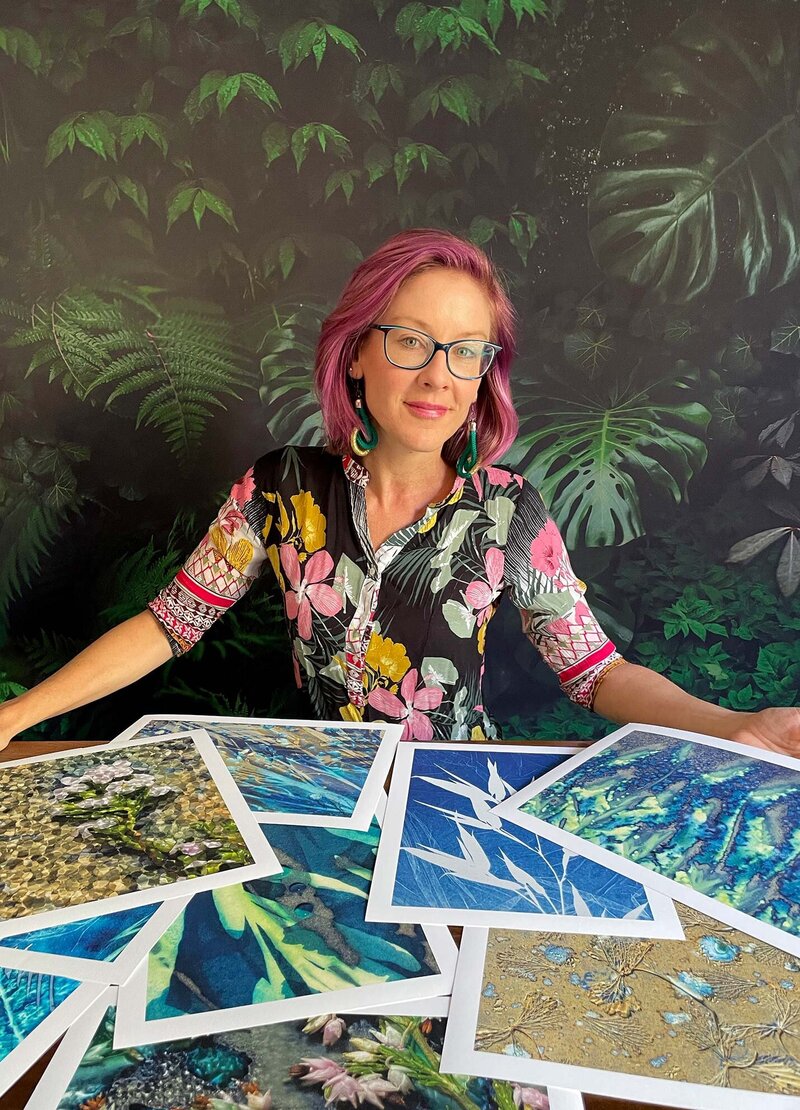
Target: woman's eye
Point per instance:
(409, 339)
(466, 352)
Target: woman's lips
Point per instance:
(429, 412)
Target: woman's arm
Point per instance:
(120, 656)
(633, 693)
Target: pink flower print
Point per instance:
(308, 590)
(547, 550)
(503, 478)
(480, 595)
(243, 490)
(417, 726)
(231, 520)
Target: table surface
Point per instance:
(18, 1095)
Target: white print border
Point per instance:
(265, 862)
(367, 801)
(381, 907)
(459, 1055)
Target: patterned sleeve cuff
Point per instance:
(582, 688)
(159, 607)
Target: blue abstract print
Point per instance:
(26, 999)
(298, 933)
(294, 769)
(708, 817)
(96, 938)
(456, 853)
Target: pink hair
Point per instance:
(366, 297)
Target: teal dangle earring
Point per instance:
(362, 443)
(467, 462)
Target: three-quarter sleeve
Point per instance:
(219, 571)
(555, 616)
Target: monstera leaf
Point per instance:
(706, 173)
(585, 451)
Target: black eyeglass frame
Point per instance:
(437, 346)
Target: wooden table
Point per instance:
(17, 1097)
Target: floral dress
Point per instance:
(396, 634)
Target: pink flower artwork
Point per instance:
(243, 490)
(480, 595)
(547, 550)
(231, 520)
(414, 701)
(308, 590)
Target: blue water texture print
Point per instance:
(457, 851)
(708, 817)
(101, 938)
(26, 999)
(295, 934)
(300, 770)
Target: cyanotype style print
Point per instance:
(456, 853)
(715, 819)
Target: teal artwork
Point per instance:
(708, 816)
(26, 999)
(271, 946)
(95, 938)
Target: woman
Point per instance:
(393, 546)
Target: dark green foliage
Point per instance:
(187, 187)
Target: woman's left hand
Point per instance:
(777, 730)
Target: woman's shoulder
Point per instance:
(494, 481)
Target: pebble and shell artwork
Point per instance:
(718, 1008)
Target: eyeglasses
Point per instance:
(411, 350)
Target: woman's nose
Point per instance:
(436, 373)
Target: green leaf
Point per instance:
(21, 47)
(585, 451)
(460, 620)
(785, 338)
(715, 166)
(133, 129)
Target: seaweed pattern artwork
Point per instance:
(296, 769)
(26, 999)
(724, 823)
(298, 933)
(352, 1060)
(94, 938)
(462, 855)
(717, 1008)
(96, 825)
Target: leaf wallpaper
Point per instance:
(187, 187)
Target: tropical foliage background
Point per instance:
(186, 186)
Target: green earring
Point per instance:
(361, 443)
(468, 459)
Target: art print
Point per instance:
(709, 1021)
(345, 1059)
(445, 856)
(34, 1012)
(113, 828)
(706, 821)
(273, 947)
(296, 772)
(97, 949)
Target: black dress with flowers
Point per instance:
(396, 634)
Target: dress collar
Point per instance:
(358, 474)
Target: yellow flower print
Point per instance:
(239, 554)
(310, 521)
(351, 712)
(482, 637)
(477, 734)
(275, 563)
(385, 660)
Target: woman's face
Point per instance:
(418, 410)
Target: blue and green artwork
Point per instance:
(301, 770)
(26, 999)
(708, 817)
(349, 1061)
(96, 938)
(293, 935)
(457, 853)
